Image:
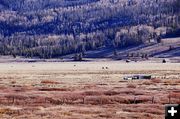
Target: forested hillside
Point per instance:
(52, 28)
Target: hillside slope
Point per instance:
(169, 48)
(53, 28)
(33, 5)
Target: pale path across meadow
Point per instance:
(87, 66)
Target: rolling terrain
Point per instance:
(169, 49)
(68, 59)
(54, 28)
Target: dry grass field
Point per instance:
(87, 90)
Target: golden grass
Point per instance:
(156, 80)
(3, 111)
(49, 82)
(131, 86)
(13, 82)
(66, 113)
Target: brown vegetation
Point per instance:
(49, 82)
(41, 95)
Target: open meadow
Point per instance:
(87, 90)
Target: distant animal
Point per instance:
(127, 61)
(164, 61)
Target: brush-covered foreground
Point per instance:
(87, 90)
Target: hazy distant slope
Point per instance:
(30, 5)
(52, 28)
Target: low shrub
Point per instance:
(54, 89)
(49, 82)
(131, 86)
(156, 80)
